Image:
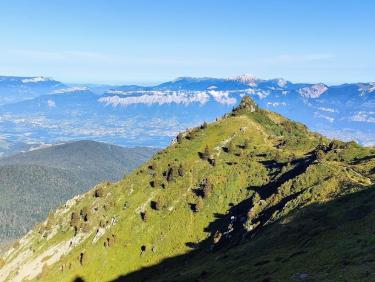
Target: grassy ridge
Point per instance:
(252, 164)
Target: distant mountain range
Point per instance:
(14, 89)
(134, 115)
(33, 183)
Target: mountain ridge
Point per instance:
(216, 186)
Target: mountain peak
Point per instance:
(35, 79)
(244, 78)
(313, 91)
(247, 103)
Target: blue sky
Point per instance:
(151, 41)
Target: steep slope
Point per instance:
(218, 186)
(333, 241)
(35, 182)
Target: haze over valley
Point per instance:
(45, 111)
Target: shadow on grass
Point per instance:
(299, 236)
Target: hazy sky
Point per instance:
(149, 41)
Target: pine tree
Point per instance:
(169, 174)
(246, 144)
(181, 171)
(206, 188)
(179, 138)
(74, 220)
(144, 216)
(204, 125)
(206, 153)
(99, 192)
(85, 213)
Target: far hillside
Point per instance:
(35, 182)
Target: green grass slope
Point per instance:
(332, 241)
(209, 207)
(36, 182)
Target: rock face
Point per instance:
(248, 79)
(313, 91)
(248, 104)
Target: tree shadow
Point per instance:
(363, 159)
(270, 188)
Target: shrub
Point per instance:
(256, 198)
(99, 192)
(246, 144)
(206, 188)
(278, 157)
(169, 174)
(192, 132)
(86, 227)
(2, 262)
(336, 144)
(238, 153)
(179, 138)
(206, 153)
(85, 213)
(155, 183)
(230, 148)
(250, 213)
(199, 205)
(74, 219)
(155, 205)
(181, 171)
(204, 125)
(82, 258)
(319, 155)
(144, 216)
(110, 241)
(152, 166)
(102, 223)
(212, 161)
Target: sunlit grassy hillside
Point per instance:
(216, 199)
